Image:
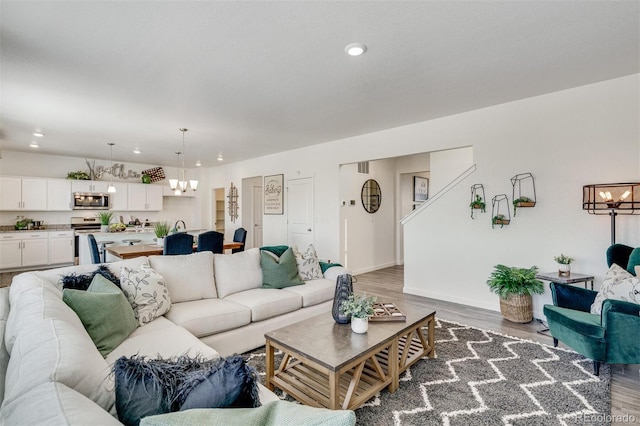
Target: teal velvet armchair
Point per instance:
(612, 337)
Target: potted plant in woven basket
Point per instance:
(515, 286)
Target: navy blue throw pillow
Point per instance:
(227, 383)
(146, 387)
(82, 282)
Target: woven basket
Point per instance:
(517, 308)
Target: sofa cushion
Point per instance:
(314, 292)
(146, 291)
(308, 263)
(188, 277)
(104, 311)
(279, 272)
(618, 284)
(34, 301)
(267, 302)
(53, 350)
(209, 316)
(237, 272)
(161, 338)
(54, 403)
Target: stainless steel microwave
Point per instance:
(91, 201)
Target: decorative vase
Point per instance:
(359, 325)
(344, 288)
(160, 241)
(104, 228)
(564, 269)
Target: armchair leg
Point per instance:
(596, 368)
(555, 342)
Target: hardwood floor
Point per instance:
(387, 285)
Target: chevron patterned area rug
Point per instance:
(481, 377)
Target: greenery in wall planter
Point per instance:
(79, 175)
(478, 203)
(499, 219)
(522, 202)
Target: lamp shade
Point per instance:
(623, 198)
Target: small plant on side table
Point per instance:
(564, 265)
(360, 307)
(515, 286)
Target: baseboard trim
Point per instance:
(449, 298)
(374, 268)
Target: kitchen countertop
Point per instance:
(47, 228)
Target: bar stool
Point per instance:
(131, 241)
(103, 248)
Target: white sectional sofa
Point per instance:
(54, 373)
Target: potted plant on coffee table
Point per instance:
(515, 286)
(105, 219)
(161, 229)
(360, 307)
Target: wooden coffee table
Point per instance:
(327, 365)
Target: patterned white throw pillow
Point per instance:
(147, 292)
(308, 264)
(618, 284)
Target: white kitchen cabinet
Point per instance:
(144, 197)
(120, 199)
(89, 186)
(19, 249)
(23, 194)
(60, 247)
(59, 195)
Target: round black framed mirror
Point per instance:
(371, 196)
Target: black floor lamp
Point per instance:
(612, 199)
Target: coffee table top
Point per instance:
(333, 345)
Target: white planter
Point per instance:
(564, 269)
(104, 228)
(359, 325)
(160, 241)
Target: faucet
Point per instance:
(175, 225)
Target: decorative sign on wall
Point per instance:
(233, 202)
(274, 194)
(420, 189)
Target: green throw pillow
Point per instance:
(104, 311)
(634, 259)
(279, 273)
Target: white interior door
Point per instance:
(257, 216)
(300, 211)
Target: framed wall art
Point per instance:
(274, 194)
(420, 189)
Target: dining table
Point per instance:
(129, 252)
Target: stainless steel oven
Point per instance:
(91, 201)
(82, 224)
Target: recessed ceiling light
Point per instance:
(355, 49)
(220, 157)
(38, 134)
(137, 151)
(198, 163)
(34, 144)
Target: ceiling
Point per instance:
(253, 78)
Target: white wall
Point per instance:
(566, 140)
(189, 209)
(369, 237)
